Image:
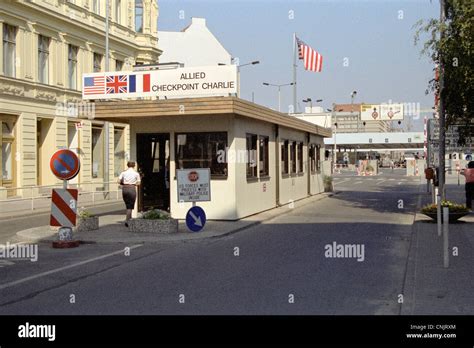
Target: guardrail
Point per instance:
(39, 196)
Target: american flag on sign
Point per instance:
(313, 61)
(117, 84)
(94, 85)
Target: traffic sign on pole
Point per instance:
(195, 219)
(63, 207)
(64, 164)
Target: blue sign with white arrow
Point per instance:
(195, 219)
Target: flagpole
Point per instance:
(294, 74)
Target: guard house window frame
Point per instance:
(9, 50)
(263, 156)
(7, 144)
(97, 151)
(293, 164)
(139, 16)
(43, 58)
(202, 150)
(315, 158)
(251, 155)
(97, 62)
(284, 157)
(72, 66)
(300, 158)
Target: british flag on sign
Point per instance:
(116, 84)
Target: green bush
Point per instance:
(84, 214)
(453, 207)
(369, 168)
(156, 214)
(327, 180)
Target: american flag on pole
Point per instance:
(313, 61)
(94, 85)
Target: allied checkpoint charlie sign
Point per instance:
(180, 82)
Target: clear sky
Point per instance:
(375, 38)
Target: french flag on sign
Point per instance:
(139, 83)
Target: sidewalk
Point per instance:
(431, 289)
(112, 229)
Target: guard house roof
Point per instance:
(125, 110)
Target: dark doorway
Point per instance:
(153, 164)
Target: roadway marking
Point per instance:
(380, 182)
(4, 263)
(39, 275)
(340, 182)
(358, 182)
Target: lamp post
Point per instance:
(279, 91)
(353, 94)
(310, 101)
(238, 74)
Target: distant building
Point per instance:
(195, 45)
(46, 47)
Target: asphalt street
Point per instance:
(278, 267)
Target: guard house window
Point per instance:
(139, 16)
(251, 160)
(72, 66)
(284, 157)
(118, 65)
(312, 158)
(97, 152)
(263, 156)
(293, 157)
(9, 50)
(43, 59)
(300, 158)
(97, 62)
(119, 151)
(318, 158)
(118, 11)
(202, 150)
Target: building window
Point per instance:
(251, 158)
(6, 141)
(96, 6)
(118, 11)
(139, 16)
(72, 66)
(119, 151)
(300, 158)
(9, 50)
(315, 158)
(97, 152)
(43, 59)
(318, 158)
(293, 157)
(284, 157)
(97, 62)
(202, 150)
(118, 65)
(263, 157)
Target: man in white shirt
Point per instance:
(129, 179)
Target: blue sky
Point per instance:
(383, 65)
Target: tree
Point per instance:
(455, 48)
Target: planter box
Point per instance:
(153, 226)
(88, 224)
(328, 187)
(453, 217)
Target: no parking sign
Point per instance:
(64, 164)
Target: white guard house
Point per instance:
(259, 158)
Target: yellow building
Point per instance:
(46, 47)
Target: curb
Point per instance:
(52, 237)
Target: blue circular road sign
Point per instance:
(64, 164)
(195, 219)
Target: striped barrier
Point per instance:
(63, 207)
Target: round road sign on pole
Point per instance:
(196, 219)
(64, 164)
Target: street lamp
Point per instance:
(310, 101)
(333, 118)
(238, 74)
(353, 94)
(279, 91)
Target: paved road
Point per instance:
(278, 261)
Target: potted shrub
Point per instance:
(87, 221)
(154, 221)
(456, 211)
(328, 185)
(369, 169)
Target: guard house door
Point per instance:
(153, 164)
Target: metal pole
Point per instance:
(442, 120)
(107, 35)
(294, 74)
(438, 213)
(446, 236)
(279, 98)
(238, 81)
